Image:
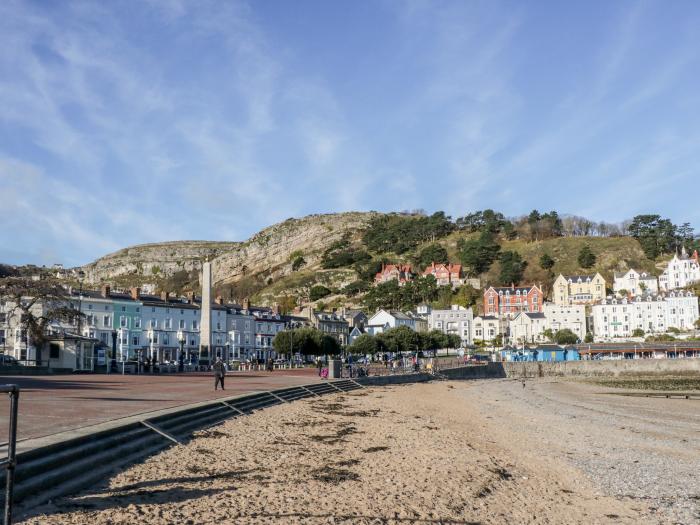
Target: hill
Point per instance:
(332, 258)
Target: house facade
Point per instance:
(578, 289)
(566, 316)
(385, 319)
(509, 301)
(394, 272)
(487, 327)
(619, 317)
(330, 323)
(527, 327)
(681, 271)
(457, 320)
(445, 274)
(635, 283)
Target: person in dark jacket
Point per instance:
(219, 373)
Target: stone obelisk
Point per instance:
(205, 321)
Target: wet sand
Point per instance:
(444, 452)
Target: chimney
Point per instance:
(105, 290)
(135, 293)
(219, 300)
(164, 296)
(190, 297)
(246, 304)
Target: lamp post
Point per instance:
(81, 277)
(181, 336)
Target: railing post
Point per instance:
(11, 453)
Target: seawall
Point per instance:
(621, 368)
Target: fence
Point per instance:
(10, 462)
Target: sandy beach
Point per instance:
(444, 452)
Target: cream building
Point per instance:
(579, 289)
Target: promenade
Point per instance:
(51, 404)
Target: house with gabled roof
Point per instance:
(510, 300)
(578, 289)
(445, 274)
(394, 272)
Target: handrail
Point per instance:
(10, 463)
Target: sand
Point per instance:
(428, 453)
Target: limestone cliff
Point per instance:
(268, 254)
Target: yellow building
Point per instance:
(579, 289)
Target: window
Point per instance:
(194, 325)
(123, 308)
(137, 322)
(182, 324)
(89, 307)
(138, 309)
(168, 323)
(135, 340)
(125, 339)
(107, 321)
(122, 321)
(166, 339)
(54, 351)
(154, 323)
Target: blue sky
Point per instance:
(136, 121)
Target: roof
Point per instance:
(513, 289)
(534, 315)
(579, 277)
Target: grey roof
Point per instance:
(534, 315)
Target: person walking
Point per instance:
(319, 364)
(219, 373)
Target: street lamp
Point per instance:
(181, 336)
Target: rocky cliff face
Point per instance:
(272, 250)
(146, 262)
(269, 253)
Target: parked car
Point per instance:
(8, 360)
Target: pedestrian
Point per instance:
(219, 373)
(270, 365)
(319, 364)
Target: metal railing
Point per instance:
(10, 462)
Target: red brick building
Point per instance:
(445, 274)
(399, 272)
(510, 300)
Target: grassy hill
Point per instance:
(283, 262)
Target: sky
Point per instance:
(128, 122)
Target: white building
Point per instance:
(680, 272)
(681, 310)
(527, 327)
(487, 328)
(457, 320)
(385, 319)
(635, 283)
(620, 317)
(563, 316)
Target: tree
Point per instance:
(512, 267)
(36, 305)
(432, 253)
(588, 338)
(586, 257)
(548, 334)
(453, 341)
(565, 337)
(477, 255)
(304, 341)
(365, 344)
(318, 292)
(546, 262)
(697, 324)
(638, 332)
(655, 235)
(329, 345)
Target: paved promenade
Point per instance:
(51, 404)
